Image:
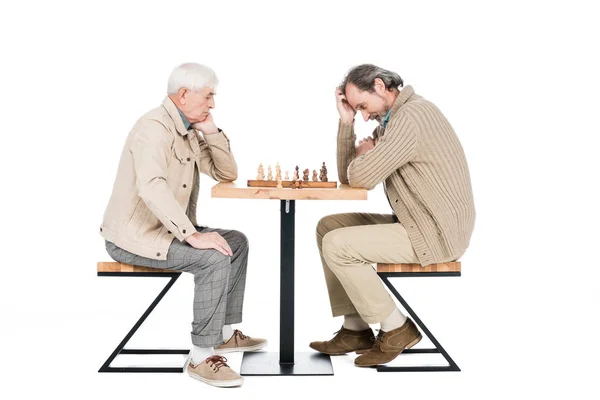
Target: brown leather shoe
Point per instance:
(388, 345)
(345, 341)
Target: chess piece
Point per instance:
(269, 174)
(323, 175)
(296, 175)
(261, 173)
(287, 175)
(315, 177)
(277, 172)
(305, 175)
(279, 185)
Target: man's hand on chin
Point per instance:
(207, 126)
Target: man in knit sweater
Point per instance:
(417, 156)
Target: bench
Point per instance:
(119, 269)
(386, 271)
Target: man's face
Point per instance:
(196, 105)
(372, 105)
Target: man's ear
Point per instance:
(379, 86)
(182, 95)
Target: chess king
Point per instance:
(418, 157)
(151, 216)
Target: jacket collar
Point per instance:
(173, 112)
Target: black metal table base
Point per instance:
(452, 366)
(121, 347)
(265, 364)
(286, 361)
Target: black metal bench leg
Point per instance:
(452, 366)
(120, 348)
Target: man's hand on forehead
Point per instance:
(345, 110)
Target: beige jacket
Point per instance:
(156, 189)
(426, 177)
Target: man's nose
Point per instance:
(211, 103)
(365, 115)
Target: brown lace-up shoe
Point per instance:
(215, 371)
(388, 345)
(345, 341)
(240, 342)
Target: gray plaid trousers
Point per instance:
(219, 280)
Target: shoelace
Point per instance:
(239, 334)
(216, 362)
(379, 336)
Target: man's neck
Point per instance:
(394, 93)
(184, 119)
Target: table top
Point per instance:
(237, 191)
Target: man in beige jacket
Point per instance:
(417, 156)
(151, 216)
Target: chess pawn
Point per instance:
(305, 174)
(287, 175)
(269, 174)
(279, 185)
(261, 173)
(315, 177)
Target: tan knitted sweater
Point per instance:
(422, 164)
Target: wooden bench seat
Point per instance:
(104, 266)
(444, 267)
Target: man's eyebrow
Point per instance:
(212, 93)
(358, 106)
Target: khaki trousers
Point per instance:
(349, 244)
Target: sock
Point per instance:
(354, 322)
(200, 354)
(395, 320)
(227, 333)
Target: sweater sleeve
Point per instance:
(395, 148)
(345, 150)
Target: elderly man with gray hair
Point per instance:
(417, 156)
(151, 216)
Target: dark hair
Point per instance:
(363, 76)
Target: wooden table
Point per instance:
(286, 362)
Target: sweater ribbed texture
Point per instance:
(425, 173)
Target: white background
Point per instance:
(518, 81)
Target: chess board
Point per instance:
(289, 184)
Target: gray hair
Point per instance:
(191, 76)
(363, 77)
